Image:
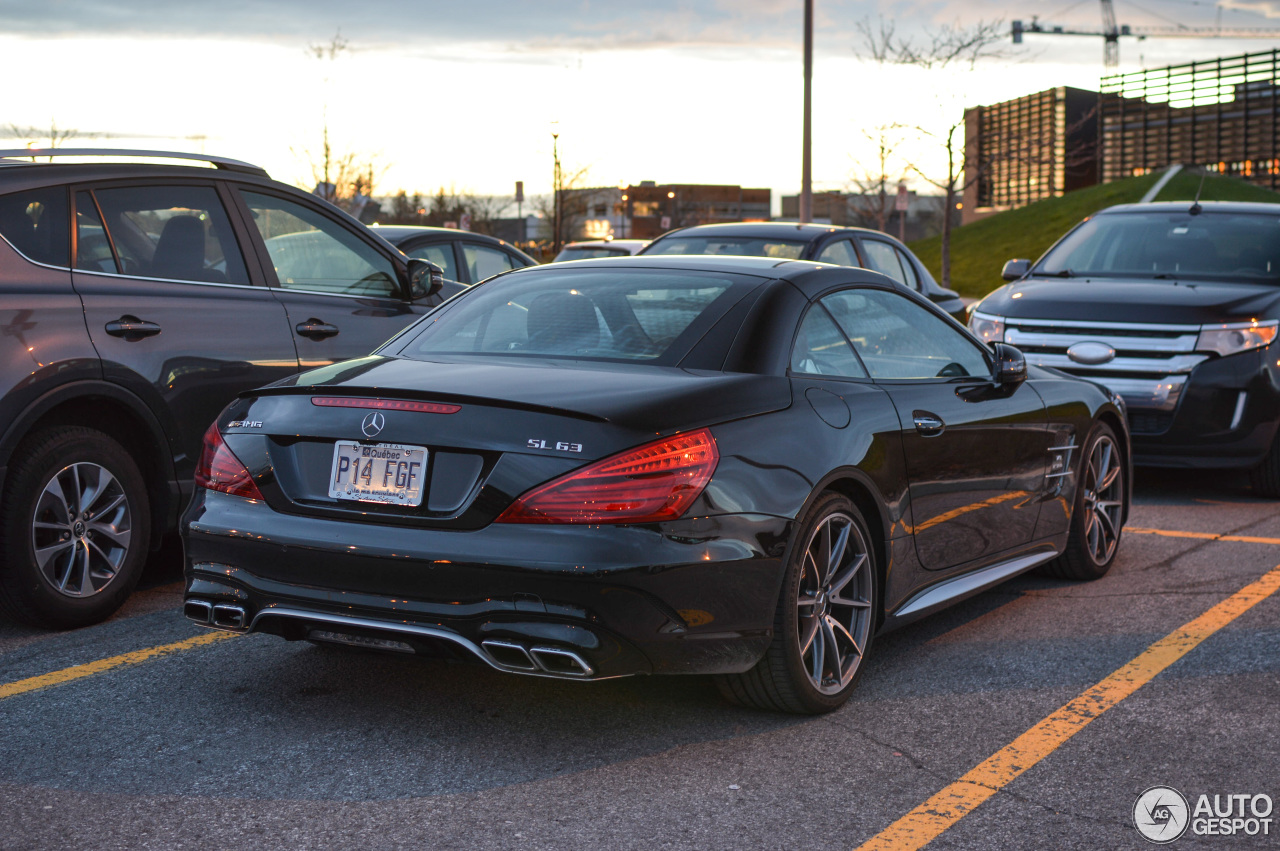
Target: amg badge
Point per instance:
(559, 446)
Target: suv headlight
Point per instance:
(988, 328)
(1236, 337)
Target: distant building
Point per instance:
(652, 209)
(1028, 149)
(923, 214)
(1221, 114)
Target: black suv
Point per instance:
(1173, 305)
(137, 300)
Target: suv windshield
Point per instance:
(736, 246)
(625, 315)
(1208, 245)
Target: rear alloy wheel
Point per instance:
(825, 620)
(1101, 495)
(75, 528)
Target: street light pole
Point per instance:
(806, 158)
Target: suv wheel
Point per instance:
(74, 528)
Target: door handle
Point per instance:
(928, 424)
(131, 328)
(316, 329)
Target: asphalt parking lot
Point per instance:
(1032, 716)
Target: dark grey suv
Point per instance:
(136, 300)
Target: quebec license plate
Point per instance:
(382, 472)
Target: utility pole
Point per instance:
(555, 198)
(806, 157)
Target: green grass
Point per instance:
(979, 250)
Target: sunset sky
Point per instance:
(467, 94)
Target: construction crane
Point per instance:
(1112, 33)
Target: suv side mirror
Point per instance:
(1010, 368)
(1015, 269)
(425, 279)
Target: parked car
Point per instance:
(1175, 307)
(654, 465)
(464, 256)
(594, 248)
(869, 249)
(137, 300)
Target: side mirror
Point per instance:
(1010, 368)
(941, 295)
(425, 279)
(1015, 269)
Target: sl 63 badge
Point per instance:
(559, 446)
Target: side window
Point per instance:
(440, 254)
(484, 262)
(36, 223)
(821, 348)
(312, 252)
(910, 278)
(180, 233)
(93, 249)
(898, 339)
(839, 252)
(883, 258)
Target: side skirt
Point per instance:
(949, 591)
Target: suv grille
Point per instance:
(1150, 367)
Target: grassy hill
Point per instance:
(979, 250)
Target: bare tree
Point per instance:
(345, 178)
(944, 48)
(569, 200)
(871, 184)
(35, 136)
(486, 209)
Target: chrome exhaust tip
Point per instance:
(560, 663)
(509, 655)
(228, 616)
(200, 611)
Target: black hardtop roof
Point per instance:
(808, 275)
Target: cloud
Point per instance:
(1266, 8)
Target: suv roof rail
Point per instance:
(218, 162)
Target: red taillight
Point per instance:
(657, 481)
(220, 470)
(385, 404)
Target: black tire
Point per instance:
(783, 680)
(1265, 477)
(76, 514)
(1096, 520)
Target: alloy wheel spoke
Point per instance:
(107, 566)
(824, 551)
(839, 628)
(810, 632)
(85, 566)
(111, 505)
(838, 547)
(44, 554)
(817, 658)
(845, 576)
(832, 649)
(54, 489)
(76, 491)
(119, 537)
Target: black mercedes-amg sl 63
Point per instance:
(742, 467)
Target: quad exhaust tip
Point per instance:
(554, 661)
(222, 615)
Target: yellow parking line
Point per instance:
(1207, 536)
(88, 669)
(926, 822)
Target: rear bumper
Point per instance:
(692, 596)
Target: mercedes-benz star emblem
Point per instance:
(372, 424)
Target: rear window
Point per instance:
(36, 223)
(590, 253)
(1210, 245)
(622, 315)
(733, 246)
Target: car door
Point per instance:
(343, 295)
(975, 454)
(170, 304)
